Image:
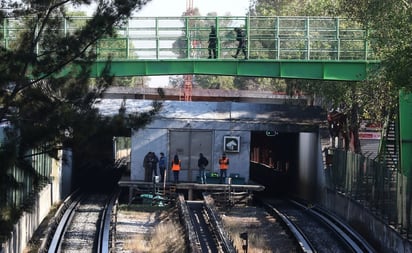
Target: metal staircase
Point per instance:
(388, 174)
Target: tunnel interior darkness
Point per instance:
(274, 160)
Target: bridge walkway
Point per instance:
(327, 48)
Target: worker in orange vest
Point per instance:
(176, 165)
(223, 165)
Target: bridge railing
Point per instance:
(270, 38)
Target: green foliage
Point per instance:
(390, 33)
(123, 142)
(46, 109)
(389, 23)
(295, 7)
(390, 30)
(298, 8)
(215, 82)
(131, 81)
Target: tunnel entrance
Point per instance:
(274, 160)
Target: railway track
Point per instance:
(312, 229)
(82, 224)
(204, 232)
(204, 227)
(316, 230)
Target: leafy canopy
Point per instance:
(46, 101)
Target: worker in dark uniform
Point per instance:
(202, 163)
(162, 166)
(241, 38)
(148, 166)
(212, 43)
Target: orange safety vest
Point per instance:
(224, 163)
(176, 167)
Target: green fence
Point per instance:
(29, 179)
(379, 188)
(275, 38)
(19, 186)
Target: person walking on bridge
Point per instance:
(176, 165)
(224, 165)
(241, 38)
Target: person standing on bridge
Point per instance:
(202, 163)
(212, 43)
(176, 165)
(223, 165)
(241, 38)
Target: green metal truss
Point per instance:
(324, 70)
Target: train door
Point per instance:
(187, 145)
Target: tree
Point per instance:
(390, 33)
(294, 7)
(215, 82)
(355, 99)
(389, 25)
(44, 87)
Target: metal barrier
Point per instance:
(275, 38)
(368, 182)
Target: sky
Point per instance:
(156, 8)
(177, 7)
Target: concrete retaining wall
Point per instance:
(382, 237)
(29, 222)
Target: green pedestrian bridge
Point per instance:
(322, 48)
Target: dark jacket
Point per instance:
(202, 162)
(162, 162)
(240, 35)
(212, 37)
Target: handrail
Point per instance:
(275, 38)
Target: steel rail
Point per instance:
(44, 247)
(216, 222)
(344, 231)
(193, 240)
(67, 211)
(304, 243)
(105, 222)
